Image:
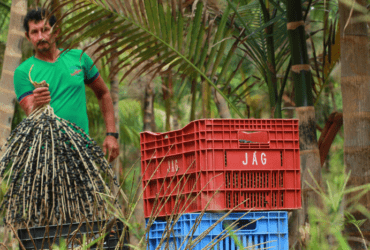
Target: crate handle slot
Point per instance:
(252, 224)
(253, 136)
(151, 133)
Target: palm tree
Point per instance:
(196, 46)
(12, 58)
(355, 82)
(152, 30)
(166, 38)
(301, 72)
(265, 42)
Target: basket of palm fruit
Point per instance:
(55, 173)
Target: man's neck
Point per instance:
(48, 56)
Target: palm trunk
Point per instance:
(175, 118)
(206, 93)
(149, 125)
(12, 59)
(221, 104)
(148, 107)
(271, 65)
(193, 99)
(167, 97)
(355, 82)
(310, 156)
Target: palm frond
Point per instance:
(4, 13)
(267, 50)
(4, 5)
(249, 18)
(150, 36)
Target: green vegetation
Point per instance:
(241, 49)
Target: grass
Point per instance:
(327, 224)
(190, 240)
(325, 229)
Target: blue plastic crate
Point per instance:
(263, 230)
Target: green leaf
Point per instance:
(180, 31)
(4, 5)
(149, 13)
(154, 5)
(174, 30)
(85, 17)
(195, 30)
(199, 47)
(162, 20)
(217, 38)
(81, 16)
(220, 54)
(169, 25)
(99, 29)
(154, 10)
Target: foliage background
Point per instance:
(131, 94)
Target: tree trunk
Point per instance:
(193, 99)
(355, 82)
(271, 65)
(206, 107)
(149, 125)
(167, 97)
(175, 118)
(12, 59)
(148, 107)
(221, 104)
(310, 156)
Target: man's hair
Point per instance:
(38, 15)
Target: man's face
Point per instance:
(39, 35)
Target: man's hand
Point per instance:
(110, 147)
(41, 96)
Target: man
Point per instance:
(67, 74)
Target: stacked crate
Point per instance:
(45, 237)
(221, 164)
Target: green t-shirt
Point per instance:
(66, 78)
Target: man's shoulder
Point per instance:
(26, 65)
(73, 52)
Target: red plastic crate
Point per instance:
(246, 158)
(257, 190)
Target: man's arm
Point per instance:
(101, 91)
(40, 96)
(27, 104)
